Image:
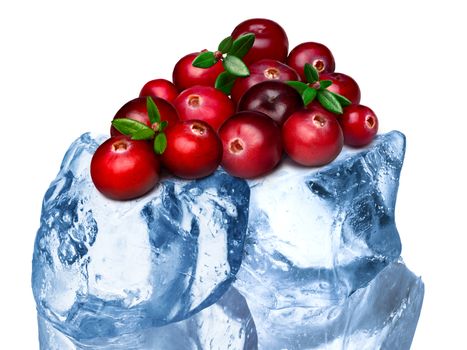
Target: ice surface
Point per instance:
(314, 238)
(313, 256)
(382, 315)
(225, 325)
(103, 268)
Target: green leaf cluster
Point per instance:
(318, 89)
(231, 53)
(140, 131)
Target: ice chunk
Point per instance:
(315, 237)
(103, 268)
(382, 315)
(321, 264)
(227, 324)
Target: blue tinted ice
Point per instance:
(102, 268)
(314, 238)
(227, 324)
(300, 259)
(383, 315)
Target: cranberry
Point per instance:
(193, 150)
(159, 88)
(136, 110)
(343, 85)
(359, 125)
(315, 105)
(312, 137)
(252, 144)
(315, 54)
(274, 98)
(270, 40)
(204, 103)
(122, 168)
(263, 70)
(186, 75)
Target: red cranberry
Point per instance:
(343, 85)
(359, 125)
(315, 105)
(274, 98)
(186, 75)
(263, 70)
(252, 144)
(136, 110)
(193, 150)
(315, 54)
(204, 103)
(270, 40)
(122, 168)
(159, 88)
(312, 137)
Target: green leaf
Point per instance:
(160, 143)
(242, 45)
(225, 45)
(143, 134)
(235, 66)
(298, 85)
(344, 101)
(205, 59)
(224, 82)
(153, 111)
(311, 74)
(129, 126)
(324, 84)
(329, 102)
(163, 125)
(308, 95)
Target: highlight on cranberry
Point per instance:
(243, 105)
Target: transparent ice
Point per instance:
(314, 238)
(227, 324)
(103, 268)
(300, 259)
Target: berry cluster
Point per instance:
(240, 106)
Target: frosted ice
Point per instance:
(300, 259)
(103, 268)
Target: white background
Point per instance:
(66, 67)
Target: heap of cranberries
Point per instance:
(243, 106)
